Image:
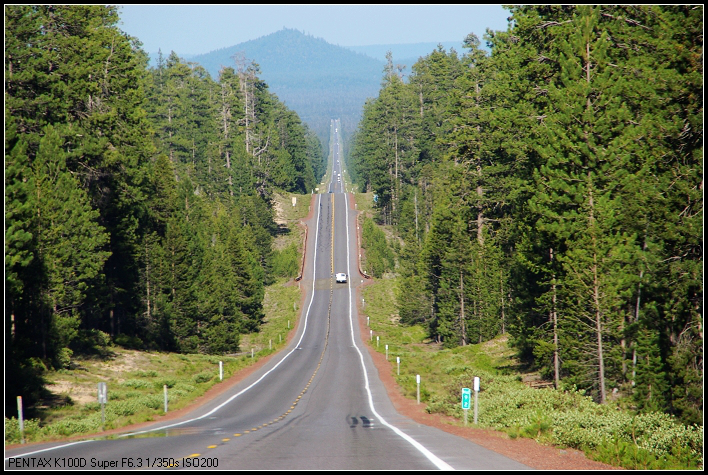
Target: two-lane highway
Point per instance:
(317, 405)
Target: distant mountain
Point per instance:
(316, 79)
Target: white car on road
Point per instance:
(341, 278)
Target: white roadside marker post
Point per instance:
(21, 419)
(476, 392)
(102, 399)
(417, 382)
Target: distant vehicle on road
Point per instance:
(341, 278)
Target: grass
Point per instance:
(289, 214)
(136, 379)
(567, 419)
(135, 382)
(560, 418)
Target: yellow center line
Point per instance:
(329, 316)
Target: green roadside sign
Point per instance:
(466, 392)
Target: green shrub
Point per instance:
(624, 453)
(182, 386)
(132, 342)
(621, 453)
(379, 257)
(123, 408)
(78, 424)
(152, 401)
(135, 383)
(91, 406)
(203, 377)
(32, 430)
(176, 394)
(63, 358)
(147, 374)
(286, 262)
(540, 425)
(37, 365)
(92, 342)
(169, 382)
(564, 418)
(569, 419)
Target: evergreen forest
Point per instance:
(550, 187)
(138, 203)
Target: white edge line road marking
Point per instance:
(48, 449)
(307, 314)
(429, 455)
(304, 329)
(442, 465)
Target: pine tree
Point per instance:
(70, 242)
(21, 279)
(18, 230)
(82, 72)
(602, 152)
(384, 148)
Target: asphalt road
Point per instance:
(317, 405)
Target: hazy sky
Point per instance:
(196, 29)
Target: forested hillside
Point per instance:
(553, 190)
(319, 80)
(137, 200)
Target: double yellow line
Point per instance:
(319, 364)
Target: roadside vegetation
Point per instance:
(607, 433)
(136, 379)
(611, 433)
(546, 183)
(139, 211)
